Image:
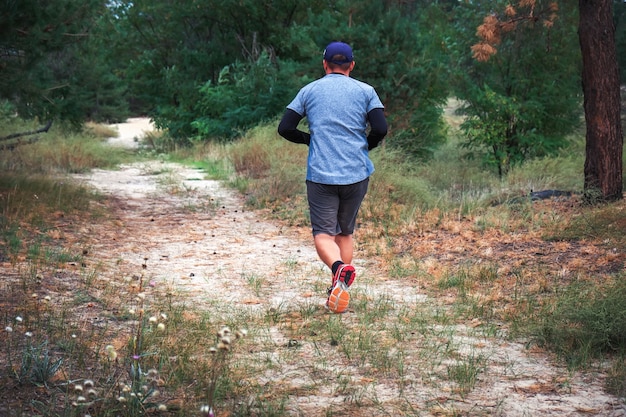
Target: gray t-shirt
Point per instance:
(336, 107)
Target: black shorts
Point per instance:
(333, 208)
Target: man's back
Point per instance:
(336, 107)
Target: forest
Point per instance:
(209, 71)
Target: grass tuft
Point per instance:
(586, 321)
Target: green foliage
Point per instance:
(397, 49)
(175, 63)
(103, 92)
(424, 132)
(525, 100)
(245, 95)
(212, 70)
(41, 58)
(413, 74)
(94, 60)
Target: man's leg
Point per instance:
(327, 249)
(332, 251)
(346, 247)
(334, 248)
(335, 251)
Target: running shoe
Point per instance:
(346, 274)
(338, 298)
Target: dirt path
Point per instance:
(197, 237)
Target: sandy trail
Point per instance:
(202, 241)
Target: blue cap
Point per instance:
(340, 51)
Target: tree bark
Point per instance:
(601, 89)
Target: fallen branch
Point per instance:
(32, 132)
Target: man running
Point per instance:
(338, 109)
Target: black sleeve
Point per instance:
(378, 128)
(287, 128)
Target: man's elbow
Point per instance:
(380, 131)
(283, 130)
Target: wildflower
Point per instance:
(111, 353)
(152, 373)
(81, 399)
(224, 332)
(222, 346)
(34, 295)
(28, 334)
(73, 336)
(161, 326)
(164, 316)
(88, 383)
(19, 319)
(8, 329)
(212, 349)
(141, 296)
(152, 319)
(92, 393)
(162, 407)
(152, 283)
(241, 333)
(121, 399)
(47, 298)
(78, 388)
(131, 311)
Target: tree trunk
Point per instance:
(601, 89)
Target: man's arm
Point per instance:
(378, 128)
(287, 128)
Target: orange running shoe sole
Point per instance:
(339, 299)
